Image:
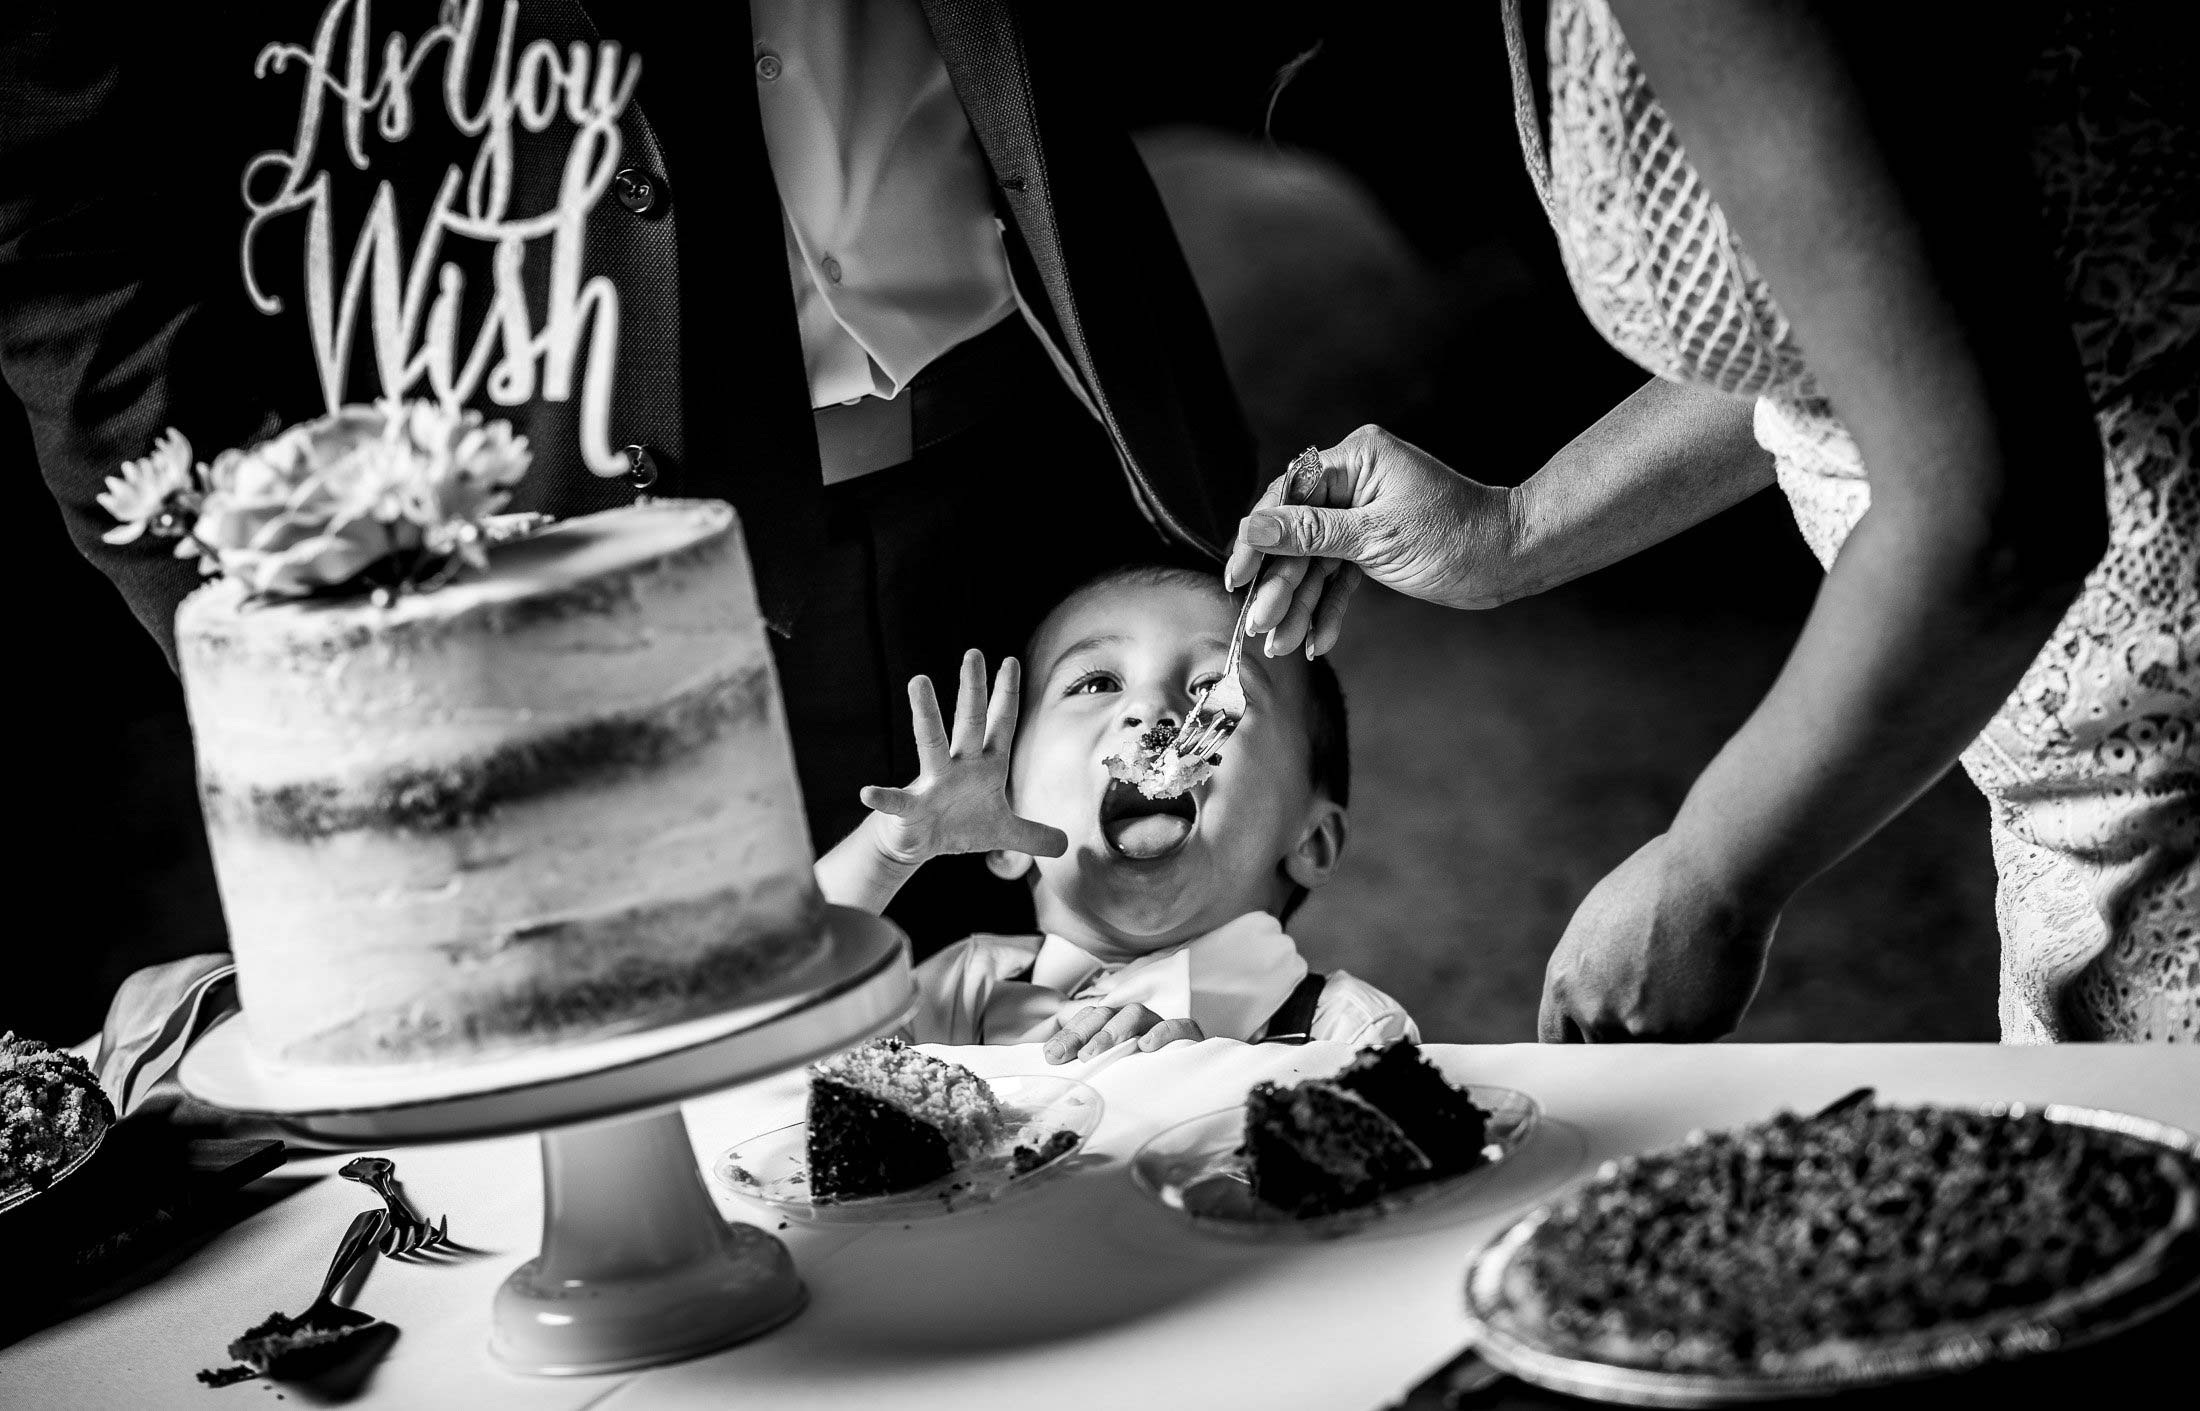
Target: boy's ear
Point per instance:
(1006, 865)
(1313, 859)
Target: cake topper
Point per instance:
(368, 499)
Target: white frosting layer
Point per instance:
(545, 798)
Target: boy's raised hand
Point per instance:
(958, 802)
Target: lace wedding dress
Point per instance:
(2092, 767)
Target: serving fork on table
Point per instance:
(405, 1231)
(1219, 709)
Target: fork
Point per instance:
(1215, 715)
(275, 1349)
(405, 1231)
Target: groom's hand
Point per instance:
(1658, 950)
(958, 803)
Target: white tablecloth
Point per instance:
(1079, 1291)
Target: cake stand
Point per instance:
(637, 1268)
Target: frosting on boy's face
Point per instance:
(1144, 873)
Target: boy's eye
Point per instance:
(1092, 683)
(1201, 683)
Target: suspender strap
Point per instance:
(1293, 1021)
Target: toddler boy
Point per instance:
(1162, 918)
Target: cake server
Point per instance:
(1215, 715)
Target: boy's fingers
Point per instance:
(1086, 1022)
(895, 801)
(1329, 613)
(969, 705)
(1000, 716)
(1168, 1032)
(924, 720)
(1037, 839)
(1130, 1020)
(1070, 1038)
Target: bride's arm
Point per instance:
(1876, 172)
(1666, 458)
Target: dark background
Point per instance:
(1372, 253)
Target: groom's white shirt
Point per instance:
(1230, 981)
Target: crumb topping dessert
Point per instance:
(1156, 770)
(1388, 1120)
(51, 1111)
(1792, 1243)
(885, 1117)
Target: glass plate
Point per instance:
(773, 1168)
(1194, 1168)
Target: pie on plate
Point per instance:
(53, 1115)
(1866, 1244)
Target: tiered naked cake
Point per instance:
(549, 801)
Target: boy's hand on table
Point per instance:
(1096, 1028)
(958, 802)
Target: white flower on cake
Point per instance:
(369, 497)
(160, 484)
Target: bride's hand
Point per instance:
(1661, 950)
(1385, 508)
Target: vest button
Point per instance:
(641, 470)
(639, 191)
(767, 66)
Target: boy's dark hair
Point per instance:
(1329, 742)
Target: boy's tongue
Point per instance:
(1143, 828)
(1148, 835)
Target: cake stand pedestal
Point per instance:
(637, 1268)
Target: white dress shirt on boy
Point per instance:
(1019, 989)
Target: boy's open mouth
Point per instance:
(1144, 829)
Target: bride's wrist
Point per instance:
(1742, 876)
(1489, 552)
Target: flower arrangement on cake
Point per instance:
(368, 499)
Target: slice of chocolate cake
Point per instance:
(1387, 1121)
(1317, 1148)
(885, 1118)
(1436, 1117)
